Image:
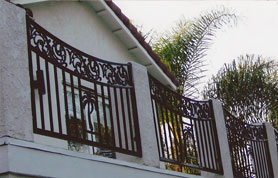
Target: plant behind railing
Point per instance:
(185, 130)
(80, 98)
(249, 148)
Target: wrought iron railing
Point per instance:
(185, 130)
(80, 98)
(249, 149)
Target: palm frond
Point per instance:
(200, 37)
(184, 48)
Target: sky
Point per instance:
(256, 31)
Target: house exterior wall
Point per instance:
(78, 24)
(15, 105)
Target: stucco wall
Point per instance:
(77, 24)
(15, 105)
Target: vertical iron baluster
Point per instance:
(124, 121)
(104, 115)
(206, 143)
(98, 117)
(248, 159)
(49, 97)
(169, 132)
(58, 100)
(241, 166)
(91, 127)
(31, 73)
(262, 155)
(265, 151)
(178, 125)
(40, 96)
(257, 161)
(209, 145)
(66, 101)
(164, 131)
(135, 120)
(175, 138)
(111, 116)
(74, 119)
(203, 144)
(83, 121)
(129, 119)
(179, 129)
(193, 138)
(198, 142)
(245, 157)
(159, 130)
(117, 117)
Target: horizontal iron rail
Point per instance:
(86, 142)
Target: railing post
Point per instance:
(223, 141)
(150, 156)
(272, 148)
(15, 99)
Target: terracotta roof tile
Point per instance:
(141, 40)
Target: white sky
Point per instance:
(255, 33)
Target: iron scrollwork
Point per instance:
(82, 64)
(183, 105)
(246, 131)
(89, 100)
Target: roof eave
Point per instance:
(155, 61)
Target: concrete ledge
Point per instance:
(31, 159)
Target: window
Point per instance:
(89, 128)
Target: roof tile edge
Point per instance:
(141, 40)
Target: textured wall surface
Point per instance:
(145, 115)
(15, 105)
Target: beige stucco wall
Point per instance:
(78, 24)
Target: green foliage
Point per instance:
(248, 88)
(184, 47)
(183, 169)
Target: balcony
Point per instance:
(65, 113)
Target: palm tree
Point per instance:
(183, 48)
(248, 88)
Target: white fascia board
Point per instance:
(126, 30)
